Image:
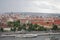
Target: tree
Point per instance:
(19, 28)
(13, 29)
(33, 27)
(24, 26)
(41, 28)
(10, 24)
(1, 29)
(55, 27)
(16, 23)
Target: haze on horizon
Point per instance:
(41, 6)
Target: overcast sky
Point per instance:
(42, 6)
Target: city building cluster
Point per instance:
(46, 21)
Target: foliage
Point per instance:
(35, 27)
(13, 29)
(16, 23)
(31, 27)
(19, 28)
(55, 27)
(10, 24)
(24, 26)
(1, 29)
(41, 28)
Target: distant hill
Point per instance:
(34, 14)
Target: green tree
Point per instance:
(13, 29)
(19, 28)
(16, 23)
(10, 24)
(24, 26)
(41, 28)
(54, 27)
(33, 27)
(1, 29)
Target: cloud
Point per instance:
(44, 6)
(50, 5)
